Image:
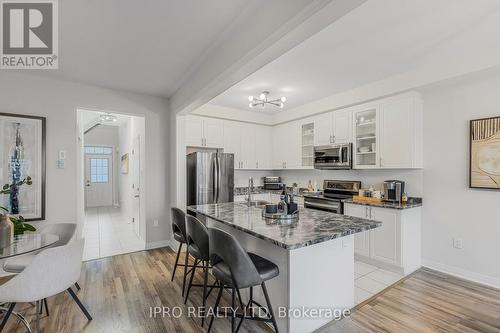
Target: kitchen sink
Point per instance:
(255, 203)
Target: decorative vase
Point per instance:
(6, 231)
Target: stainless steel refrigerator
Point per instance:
(210, 178)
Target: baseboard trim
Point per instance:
(487, 280)
(158, 244)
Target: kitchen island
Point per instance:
(315, 256)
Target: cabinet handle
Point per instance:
(257, 165)
(333, 138)
(380, 161)
(366, 212)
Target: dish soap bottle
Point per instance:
(404, 198)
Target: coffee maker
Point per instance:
(393, 190)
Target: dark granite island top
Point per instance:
(313, 226)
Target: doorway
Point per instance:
(98, 177)
(111, 173)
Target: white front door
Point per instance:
(136, 185)
(98, 180)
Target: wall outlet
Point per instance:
(155, 223)
(458, 243)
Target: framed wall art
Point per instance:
(22, 154)
(485, 153)
(124, 164)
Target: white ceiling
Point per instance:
(379, 39)
(141, 46)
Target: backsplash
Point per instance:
(413, 178)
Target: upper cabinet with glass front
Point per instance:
(388, 133)
(366, 138)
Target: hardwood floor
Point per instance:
(119, 291)
(427, 301)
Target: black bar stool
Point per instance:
(237, 269)
(197, 246)
(179, 230)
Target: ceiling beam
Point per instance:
(256, 38)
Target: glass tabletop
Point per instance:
(28, 243)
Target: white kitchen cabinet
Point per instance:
(232, 141)
(400, 127)
(333, 127)
(263, 147)
(204, 132)
(385, 242)
(248, 146)
(323, 129)
(396, 244)
(361, 239)
(342, 126)
(287, 146)
(213, 132)
(194, 131)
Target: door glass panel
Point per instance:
(98, 150)
(99, 170)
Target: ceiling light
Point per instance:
(263, 100)
(108, 118)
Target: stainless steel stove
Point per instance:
(334, 191)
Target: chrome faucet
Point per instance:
(250, 189)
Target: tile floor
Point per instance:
(369, 280)
(107, 234)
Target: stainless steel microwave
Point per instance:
(336, 156)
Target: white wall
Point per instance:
(107, 136)
(129, 130)
(451, 209)
(58, 101)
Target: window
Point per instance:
(99, 170)
(98, 150)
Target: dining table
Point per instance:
(24, 244)
(28, 243)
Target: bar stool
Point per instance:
(235, 268)
(179, 230)
(197, 246)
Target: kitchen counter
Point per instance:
(411, 203)
(314, 226)
(243, 190)
(315, 257)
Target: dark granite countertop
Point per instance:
(314, 226)
(411, 203)
(243, 190)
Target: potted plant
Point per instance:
(12, 225)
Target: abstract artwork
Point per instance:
(125, 164)
(22, 154)
(485, 153)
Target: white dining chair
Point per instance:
(51, 272)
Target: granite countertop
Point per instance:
(411, 203)
(314, 226)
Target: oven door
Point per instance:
(329, 205)
(333, 156)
